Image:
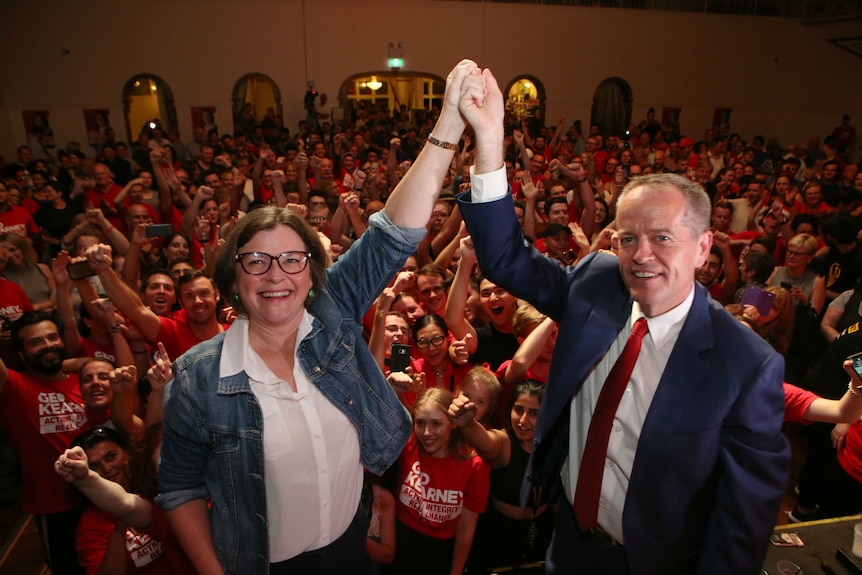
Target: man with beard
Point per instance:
(41, 410)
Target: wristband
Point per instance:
(581, 181)
(440, 144)
(115, 328)
(139, 351)
(854, 389)
(108, 231)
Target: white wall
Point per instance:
(781, 78)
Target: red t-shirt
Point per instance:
(42, 417)
(17, 220)
(150, 551)
(177, 336)
(796, 401)
(432, 491)
(105, 202)
(89, 348)
(13, 303)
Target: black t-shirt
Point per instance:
(828, 378)
(494, 347)
(840, 270)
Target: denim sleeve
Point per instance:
(185, 448)
(361, 273)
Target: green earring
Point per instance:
(311, 293)
(236, 297)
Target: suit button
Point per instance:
(348, 401)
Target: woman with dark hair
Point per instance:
(122, 532)
(506, 536)
(432, 337)
(272, 421)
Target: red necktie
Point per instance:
(589, 488)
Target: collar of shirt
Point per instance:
(238, 356)
(665, 328)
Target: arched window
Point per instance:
(256, 98)
(612, 106)
(393, 90)
(148, 99)
(525, 100)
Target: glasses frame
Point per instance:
(425, 343)
(306, 256)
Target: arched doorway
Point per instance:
(612, 106)
(256, 97)
(525, 101)
(148, 99)
(412, 91)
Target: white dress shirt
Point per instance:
(312, 472)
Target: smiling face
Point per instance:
(524, 414)
(159, 295)
(177, 248)
(110, 461)
(274, 298)
(396, 330)
(43, 350)
(432, 294)
(659, 253)
(432, 429)
(498, 304)
(198, 298)
(433, 354)
(95, 385)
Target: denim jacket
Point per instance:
(213, 426)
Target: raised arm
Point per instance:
(126, 299)
(133, 510)
(459, 291)
(492, 445)
(413, 199)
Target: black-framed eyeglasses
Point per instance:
(436, 341)
(257, 263)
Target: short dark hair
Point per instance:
(261, 220)
(93, 437)
(429, 319)
(29, 318)
(145, 277)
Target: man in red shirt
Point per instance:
(41, 410)
(14, 219)
(198, 299)
(103, 194)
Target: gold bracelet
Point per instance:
(444, 145)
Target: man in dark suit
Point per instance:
(695, 465)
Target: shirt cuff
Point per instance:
(488, 187)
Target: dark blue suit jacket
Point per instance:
(711, 463)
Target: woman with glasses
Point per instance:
(432, 337)
(806, 287)
(268, 425)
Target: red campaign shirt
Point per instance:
(13, 303)
(17, 220)
(105, 202)
(433, 491)
(150, 551)
(796, 402)
(90, 348)
(42, 417)
(177, 336)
